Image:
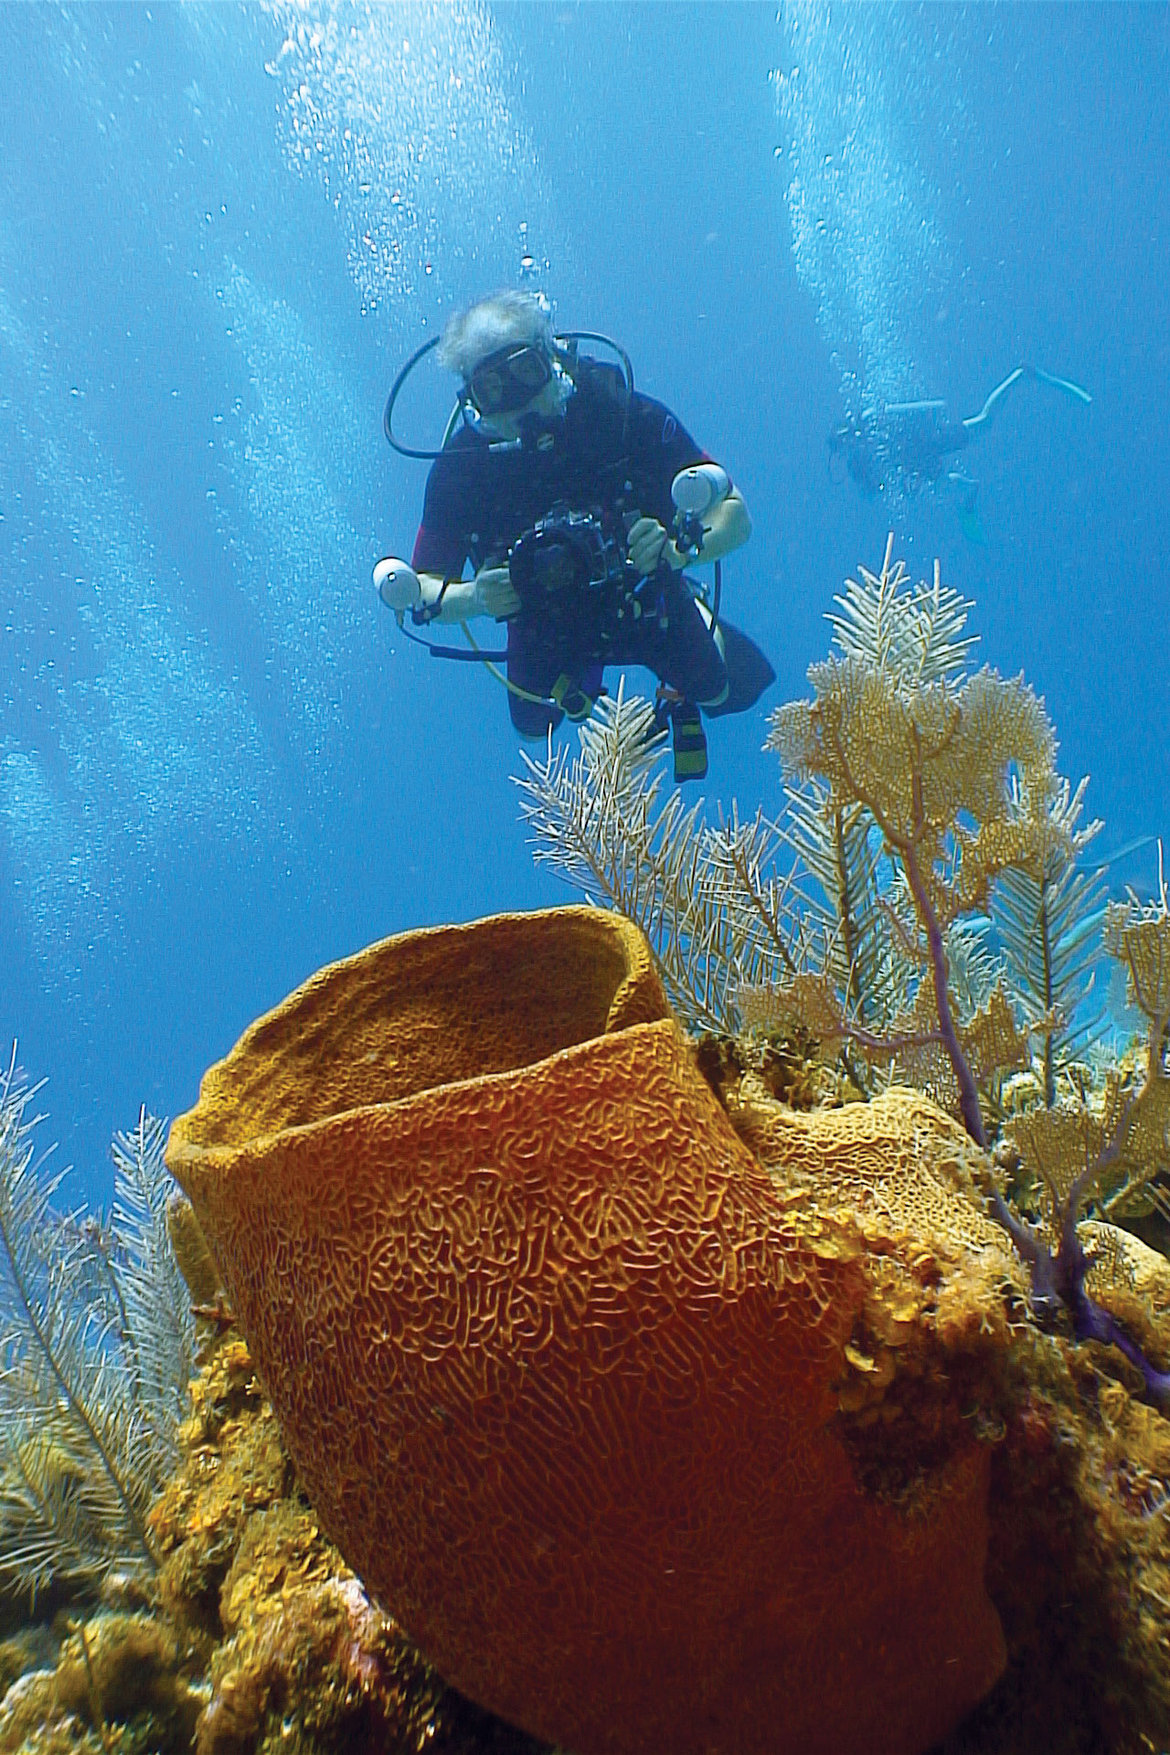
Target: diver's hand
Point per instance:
(495, 594)
(648, 544)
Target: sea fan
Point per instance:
(912, 788)
(95, 1353)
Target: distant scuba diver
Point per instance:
(579, 502)
(910, 444)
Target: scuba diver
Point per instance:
(910, 444)
(578, 502)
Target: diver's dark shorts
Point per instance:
(671, 639)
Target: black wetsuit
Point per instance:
(608, 455)
(914, 445)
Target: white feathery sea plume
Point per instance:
(96, 1351)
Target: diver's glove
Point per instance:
(495, 594)
(648, 545)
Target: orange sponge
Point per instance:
(555, 1358)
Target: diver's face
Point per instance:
(548, 401)
(508, 380)
(506, 392)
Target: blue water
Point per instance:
(221, 231)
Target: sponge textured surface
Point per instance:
(555, 1358)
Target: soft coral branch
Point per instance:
(1057, 1278)
(1058, 1283)
(940, 973)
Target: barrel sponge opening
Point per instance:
(426, 1009)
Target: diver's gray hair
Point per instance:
(492, 323)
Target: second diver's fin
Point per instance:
(971, 527)
(974, 421)
(983, 418)
(1065, 384)
(968, 494)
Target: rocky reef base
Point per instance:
(256, 1637)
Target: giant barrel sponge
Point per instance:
(555, 1357)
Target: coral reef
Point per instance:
(1077, 1525)
(1079, 1563)
(895, 1435)
(921, 798)
(1079, 1544)
(921, 910)
(253, 1635)
(710, 1395)
(257, 1636)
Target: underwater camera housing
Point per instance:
(567, 552)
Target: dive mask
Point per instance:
(509, 378)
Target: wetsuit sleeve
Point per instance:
(441, 545)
